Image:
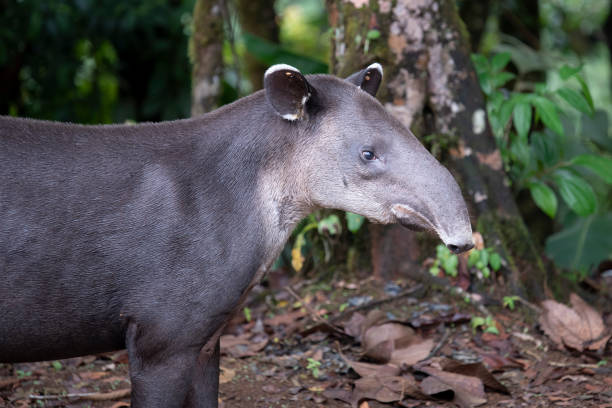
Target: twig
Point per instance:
(313, 314)
(556, 364)
(94, 396)
(440, 344)
(376, 303)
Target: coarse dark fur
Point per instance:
(144, 236)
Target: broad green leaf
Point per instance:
(495, 261)
(519, 150)
(330, 224)
(575, 99)
(481, 64)
(601, 165)
(583, 243)
(522, 118)
(354, 221)
(544, 197)
(576, 192)
(548, 112)
(586, 91)
(545, 147)
(566, 71)
(499, 61)
(485, 82)
(500, 79)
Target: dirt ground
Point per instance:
(312, 344)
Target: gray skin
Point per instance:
(149, 236)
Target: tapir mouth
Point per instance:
(412, 219)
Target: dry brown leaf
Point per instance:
(92, 375)
(573, 327)
(385, 332)
(413, 353)
(385, 388)
(468, 391)
(369, 370)
(477, 370)
(226, 375)
(120, 404)
(242, 346)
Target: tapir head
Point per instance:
(356, 157)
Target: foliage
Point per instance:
(509, 301)
(545, 152)
(445, 260)
(482, 261)
(313, 367)
(95, 61)
(488, 324)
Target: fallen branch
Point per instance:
(348, 312)
(93, 396)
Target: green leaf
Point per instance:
(473, 258)
(330, 224)
(601, 165)
(576, 100)
(583, 243)
(505, 111)
(586, 92)
(548, 112)
(481, 64)
(354, 221)
(495, 261)
(576, 192)
(499, 61)
(522, 118)
(544, 197)
(373, 34)
(500, 79)
(566, 71)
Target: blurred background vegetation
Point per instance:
(105, 61)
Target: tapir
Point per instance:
(149, 236)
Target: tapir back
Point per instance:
(92, 217)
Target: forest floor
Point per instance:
(369, 344)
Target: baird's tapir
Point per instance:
(148, 237)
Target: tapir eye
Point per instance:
(368, 155)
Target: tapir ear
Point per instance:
(368, 79)
(287, 91)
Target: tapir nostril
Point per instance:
(457, 249)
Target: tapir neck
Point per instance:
(256, 150)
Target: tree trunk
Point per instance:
(205, 48)
(430, 85)
(257, 17)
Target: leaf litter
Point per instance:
(410, 351)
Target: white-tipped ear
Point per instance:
(368, 79)
(287, 91)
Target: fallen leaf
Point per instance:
(370, 370)
(285, 318)
(242, 346)
(385, 388)
(226, 375)
(477, 370)
(413, 353)
(578, 328)
(468, 391)
(92, 375)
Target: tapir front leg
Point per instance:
(205, 382)
(161, 370)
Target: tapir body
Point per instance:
(149, 236)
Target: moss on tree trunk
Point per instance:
(430, 85)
